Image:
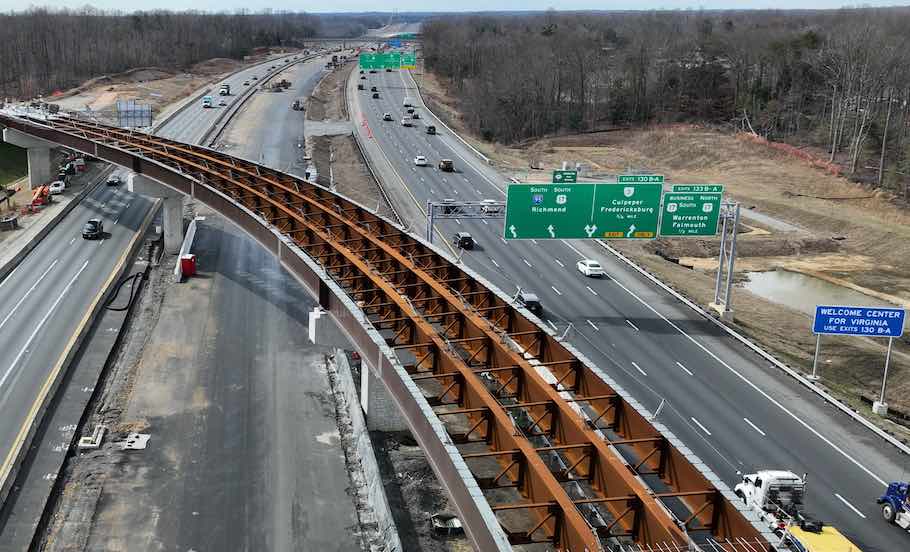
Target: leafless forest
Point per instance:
(42, 51)
(835, 80)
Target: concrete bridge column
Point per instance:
(173, 208)
(39, 156)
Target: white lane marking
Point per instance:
(10, 275)
(494, 262)
(116, 221)
(39, 326)
(686, 370)
(629, 322)
(637, 367)
(534, 242)
(550, 322)
(593, 325)
(556, 290)
(703, 428)
(503, 240)
(851, 506)
(591, 290)
(71, 242)
(755, 427)
(27, 293)
(559, 263)
(485, 222)
(707, 351)
(527, 263)
(458, 222)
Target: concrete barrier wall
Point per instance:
(380, 512)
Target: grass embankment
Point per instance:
(13, 163)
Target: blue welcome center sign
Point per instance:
(865, 321)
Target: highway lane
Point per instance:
(735, 413)
(194, 121)
(45, 298)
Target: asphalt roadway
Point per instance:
(262, 468)
(46, 297)
(737, 413)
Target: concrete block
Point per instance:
(39, 156)
(880, 408)
(381, 412)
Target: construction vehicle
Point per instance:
(225, 90)
(41, 196)
(777, 497)
(896, 504)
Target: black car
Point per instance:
(93, 229)
(374, 89)
(375, 95)
(359, 87)
(361, 71)
(463, 240)
(387, 70)
(431, 129)
(363, 77)
(113, 180)
(372, 70)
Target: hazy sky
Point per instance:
(438, 5)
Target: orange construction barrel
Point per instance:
(188, 264)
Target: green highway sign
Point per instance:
(565, 177)
(389, 60)
(698, 188)
(645, 178)
(409, 60)
(690, 214)
(369, 61)
(579, 211)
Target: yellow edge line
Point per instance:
(48, 383)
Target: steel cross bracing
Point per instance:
(563, 459)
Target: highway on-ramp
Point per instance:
(735, 412)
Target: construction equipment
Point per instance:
(446, 165)
(896, 504)
(777, 497)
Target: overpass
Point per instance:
(537, 444)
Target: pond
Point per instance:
(803, 292)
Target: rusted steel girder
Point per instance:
(548, 421)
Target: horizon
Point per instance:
(359, 7)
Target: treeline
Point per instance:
(839, 80)
(44, 50)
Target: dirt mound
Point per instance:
(214, 66)
(757, 247)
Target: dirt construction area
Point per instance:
(796, 218)
(327, 100)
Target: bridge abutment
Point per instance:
(172, 214)
(39, 156)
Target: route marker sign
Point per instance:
(565, 177)
(580, 211)
(698, 188)
(864, 321)
(690, 214)
(409, 60)
(643, 178)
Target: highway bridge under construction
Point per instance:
(532, 442)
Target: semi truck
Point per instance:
(777, 497)
(225, 90)
(207, 101)
(895, 504)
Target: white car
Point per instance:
(57, 187)
(490, 207)
(406, 122)
(590, 268)
(420, 161)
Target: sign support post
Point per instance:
(818, 342)
(880, 407)
(723, 304)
